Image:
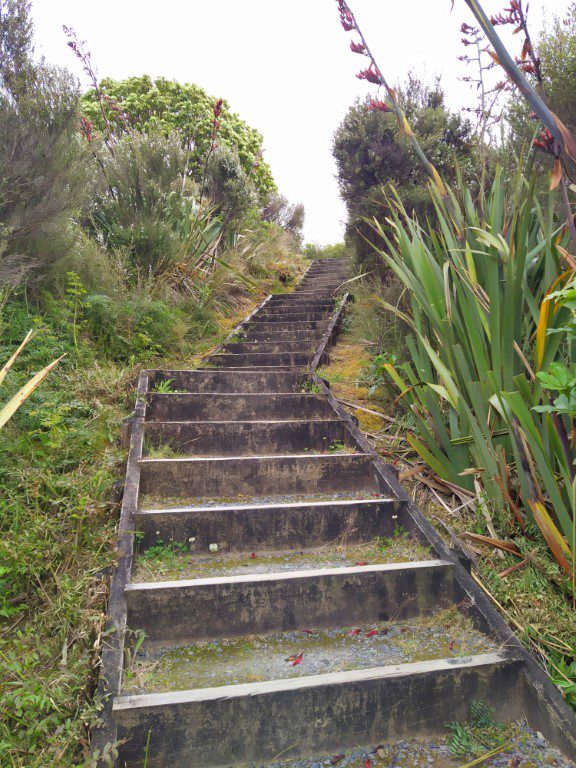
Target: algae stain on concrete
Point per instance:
(274, 656)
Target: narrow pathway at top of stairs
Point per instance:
(277, 594)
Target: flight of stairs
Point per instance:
(269, 499)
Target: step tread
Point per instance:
(189, 696)
(314, 573)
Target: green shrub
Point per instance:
(132, 328)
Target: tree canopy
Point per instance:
(371, 155)
(167, 105)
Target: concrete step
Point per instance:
(166, 561)
(257, 722)
(294, 306)
(260, 359)
(262, 476)
(214, 380)
(257, 335)
(291, 300)
(288, 317)
(274, 347)
(273, 526)
(249, 406)
(211, 662)
(289, 601)
(279, 327)
(247, 438)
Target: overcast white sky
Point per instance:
(283, 65)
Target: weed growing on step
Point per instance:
(480, 733)
(162, 451)
(164, 387)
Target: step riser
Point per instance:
(268, 476)
(302, 325)
(236, 407)
(257, 359)
(270, 347)
(284, 336)
(233, 438)
(311, 720)
(178, 615)
(278, 309)
(303, 303)
(290, 317)
(273, 528)
(229, 381)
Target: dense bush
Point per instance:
(41, 162)
(370, 155)
(168, 106)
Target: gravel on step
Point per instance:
(527, 749)
(281, 655)
(164, 564)
(164, 502)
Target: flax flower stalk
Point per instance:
(374, 75)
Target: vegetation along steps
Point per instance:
(277, 591)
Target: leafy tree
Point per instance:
(370, 156)
(40, 162)
(315, 251)
(290, 216)
(145, 104)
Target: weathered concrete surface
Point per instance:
(257, 476)
(247, 605)
(257, 359)
(254, 334)
(206, 406)
(259, 721)
(277, 527)
(213, 380)
(270, 347)
(248, 438)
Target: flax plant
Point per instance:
(8, 410)
(476, 296)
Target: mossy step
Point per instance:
(171, 560)
(447, 634)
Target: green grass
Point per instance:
(59, 473)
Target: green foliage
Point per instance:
(556, 48)
(474, 307)
(370, 154)
(562, 670)
(167, 106)
(134, 328)
(481, 733)
(41, 172)
(141, 200)
(315, 251)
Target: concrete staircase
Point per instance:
(285, 629)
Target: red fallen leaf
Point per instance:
(308, 631)
(372, 633)
(362, 562)
(292, 658)
(337, 759)
(354, 632)
(297, 660)
(252, 555)
(368, 764)
(452, 645)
